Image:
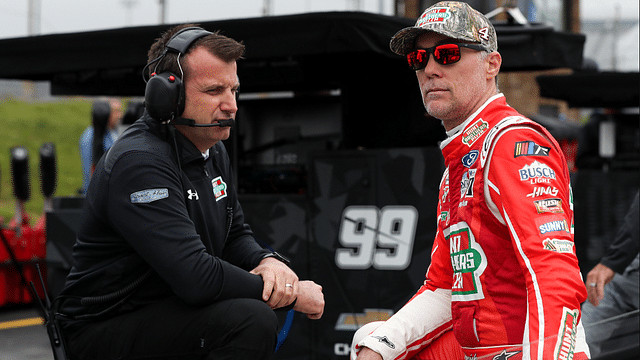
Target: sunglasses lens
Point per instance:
(447, 54)
(418, 59)
(443, 54)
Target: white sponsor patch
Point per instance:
(558, 245)
(219, 188)
(147, 196)
(537, 172)
(435, 15)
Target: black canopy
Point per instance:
(289, 51)
(593, 89)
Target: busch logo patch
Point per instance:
(537, 172)
(219, 188)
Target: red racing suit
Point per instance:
(503, 276)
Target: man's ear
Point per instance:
(494, 61)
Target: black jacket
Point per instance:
(624, 248)
(143, 211)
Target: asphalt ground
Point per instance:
(23, 335)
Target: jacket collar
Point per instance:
(186, 149)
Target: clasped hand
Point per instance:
(282, 287)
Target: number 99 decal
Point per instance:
(379, 238)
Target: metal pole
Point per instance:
(34, 18)
(615, 38)
(162, 18)
(266, 8)
(129, 5)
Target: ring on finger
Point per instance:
(288, 285)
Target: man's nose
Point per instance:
(431, 67)
(229, 102)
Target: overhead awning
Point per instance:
(538, 47)
(593, 89)
(278, 48)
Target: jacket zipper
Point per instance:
(229, 213)
(229, 222)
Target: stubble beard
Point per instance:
(438, 108)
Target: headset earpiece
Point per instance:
(164, 95)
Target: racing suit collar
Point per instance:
(453, 133)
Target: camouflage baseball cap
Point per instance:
(454, 19)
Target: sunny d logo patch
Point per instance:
(559, 225)
(219, 188)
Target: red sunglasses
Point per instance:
(444, 54)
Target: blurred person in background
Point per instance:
(613, 285)
(96, 139)
(135, 109)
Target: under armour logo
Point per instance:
(192, 194)
(385, 340)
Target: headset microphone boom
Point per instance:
(192, 123)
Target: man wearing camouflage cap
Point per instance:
(504, 281)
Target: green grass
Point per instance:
(30, 125)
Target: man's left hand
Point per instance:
(597, 278)
(280, 282)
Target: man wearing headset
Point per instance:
(164, 265)
(504, 281)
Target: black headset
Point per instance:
(164, 94)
